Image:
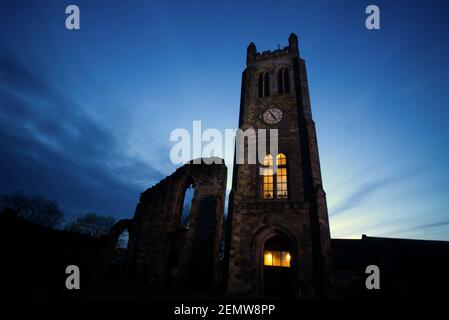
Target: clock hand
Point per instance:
(274, 117)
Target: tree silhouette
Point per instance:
(91, 224)
(33, 208)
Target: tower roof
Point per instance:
(253, 56)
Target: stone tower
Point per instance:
(278, 231)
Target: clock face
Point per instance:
(272, 115)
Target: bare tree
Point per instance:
(91, 224)
(33, 208)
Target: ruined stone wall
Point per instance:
(166, 254)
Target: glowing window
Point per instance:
(274, 185)
(268, 183)
(268, 178)
(281, 159)
(268, 160)
(277, 258)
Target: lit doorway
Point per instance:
(278, 266)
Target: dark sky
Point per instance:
(86, 115)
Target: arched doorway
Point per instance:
(119, 244)
(278, 267)
(120, 250)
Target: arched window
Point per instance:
(186, 205)
(280, 82)
(119, 254)
(281, 177)
(260, 84)
(286, 81)
(283, 81)
(274, 185)
(268, 179)
(266, 83)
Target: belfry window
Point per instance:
(263, 85)
(283, 81)
(266, 85)
(286, 81)
(280, 82)
(274, 185)
(260, 85)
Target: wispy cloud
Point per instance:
(52, 147)
(419, 227)
(362, 194)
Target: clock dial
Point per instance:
(272, 115)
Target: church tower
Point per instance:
(278, 229)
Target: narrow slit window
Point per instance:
(260, 85)
(268, 178)
(266, 84)
(286, 81)
(186, 208)
(280, 83)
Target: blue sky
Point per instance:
(86, 115)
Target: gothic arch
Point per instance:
(258, 242)
(112, 239)
(264, 83)
(183, 184)
(283, 77)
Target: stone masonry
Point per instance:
(301, 218)
(163, 253)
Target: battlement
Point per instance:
(252, 56)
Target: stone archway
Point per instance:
(117, 259)
(275, 262)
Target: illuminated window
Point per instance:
(268, 178)
(274, 185)
(277, 258)
(281, 177)
(268, 258)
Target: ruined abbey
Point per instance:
(272, 241)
